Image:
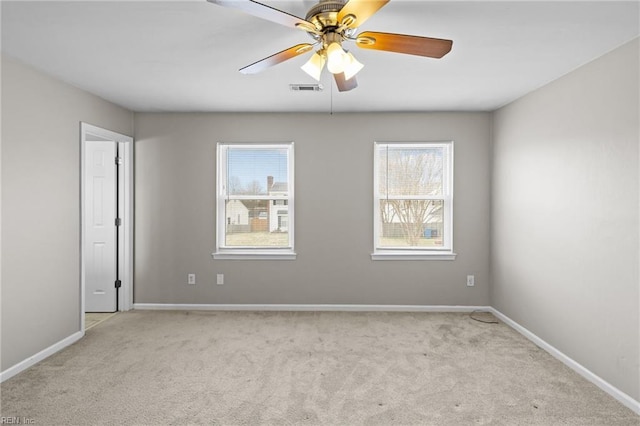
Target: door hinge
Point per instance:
(118, 283)
(118, 221)
(119, 161)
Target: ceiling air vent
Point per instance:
(306, 87)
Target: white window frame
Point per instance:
(411, 253)
(251, 253)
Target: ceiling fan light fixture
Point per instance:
(314, 66)
(330, 23)
(353, 67)
(337, 59)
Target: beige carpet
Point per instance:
(298, 368)
(91, 319)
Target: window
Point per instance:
(413, 201)
(254, 201)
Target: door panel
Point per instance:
(100, 230)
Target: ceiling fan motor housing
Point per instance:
(324, 15)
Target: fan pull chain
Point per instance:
(331, 97)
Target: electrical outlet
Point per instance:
(220, 279)
(471, 281)
(191, 279)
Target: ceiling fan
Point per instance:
(330, 23)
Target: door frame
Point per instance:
(125, 202)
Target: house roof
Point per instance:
(279, 187)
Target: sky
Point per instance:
(255, 164)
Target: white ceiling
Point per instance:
(185, 56)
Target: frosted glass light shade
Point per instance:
(337, 59)
(353, 67)
(314, 66)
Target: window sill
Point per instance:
(254, 255)
(403, 255)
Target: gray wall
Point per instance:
(40, 205)
(175, 200)
(565, 215)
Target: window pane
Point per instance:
(257, 171)
(256, 223)
(410, 171)
(411, 223)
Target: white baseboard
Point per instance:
(318, 308)
(616, 393)
(45, 353)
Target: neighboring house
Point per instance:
(278, 209)
(237, 216)
(246, 216)
(260, 215)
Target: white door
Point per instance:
(100, 243)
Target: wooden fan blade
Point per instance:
(267, 12)
(276, 58)
(361, 10)
(343, 84)
(400, 43)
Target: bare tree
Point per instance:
(235, 185)
(254, 188)
(237, 188)
(411, 173)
